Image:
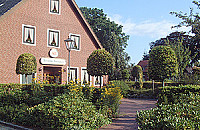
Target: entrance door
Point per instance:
(52, 75)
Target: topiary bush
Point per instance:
(99, 63)
(162, 63)
(26, 64)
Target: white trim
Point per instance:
(59, 13)
(101, 80)
(20, 77)
(71, 67)
(85, 68)
(24, 25)
(48, 37)
(79, 41)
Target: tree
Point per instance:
(137, 73)
(125, 74)
(109, 34)
(145, 56)
(173, 38)
(26, 64)
(191, 20)
(100, 63)
(162, 63)
(183, 57)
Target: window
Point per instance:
(85, 77)
(26, 79)
(54, 7)
(76, 43)
(28, 35)
(53, 38)
(97, 80)
(74, 74)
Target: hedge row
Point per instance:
(169, 95)
(177, 108)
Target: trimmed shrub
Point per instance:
(138, 74)
(169, 95)
(143, 93)
(183, 115)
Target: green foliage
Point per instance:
(68, 111)
(169, 95)
(59, 106)
(26, 64)
(125, 74)
(191, 19)
(162, 63)
(122, 85)
(99, 63)
(183, 57)
(143, 93)
(109, 34)
(185, 114)
(137, 73)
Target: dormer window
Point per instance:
(55, 6)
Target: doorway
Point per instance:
(52, 75)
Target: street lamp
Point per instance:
(69, 46)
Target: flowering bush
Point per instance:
(68, 111)
(59, 106)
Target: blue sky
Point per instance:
(144, 20)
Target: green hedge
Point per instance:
(183, 115)
(149, 84)
(169, 95)
(177, 108)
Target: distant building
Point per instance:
(144, 64)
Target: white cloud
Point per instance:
(147, 28)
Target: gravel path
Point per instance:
(128, 110)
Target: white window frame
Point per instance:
(90, 80)
(59, 7)
(21, 76)
(78, 35)
(48, 37)
(98, 78)
(71, 67)
(23, 35)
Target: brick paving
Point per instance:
(128, 110)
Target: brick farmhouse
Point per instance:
(39, 27)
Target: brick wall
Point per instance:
(36, 13)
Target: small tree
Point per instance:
(26, 64)
(162, 63)
(125, 74)
(99, 63)
(183, 57)
(137, 74)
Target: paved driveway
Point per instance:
(128, 110)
